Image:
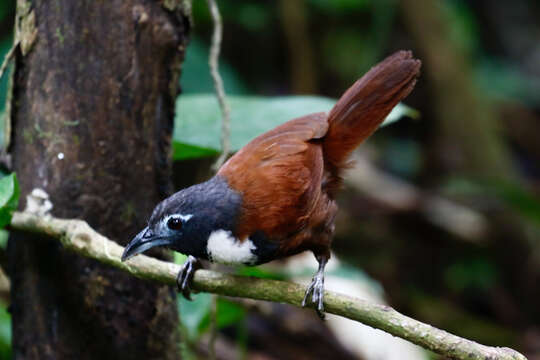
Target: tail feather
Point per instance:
(365, 105)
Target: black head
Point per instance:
(184, 221)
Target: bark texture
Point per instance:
(92, 122)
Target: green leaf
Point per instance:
(186, 151)
(9, 198)
(5, 332)
(260, 273)
(179, 258)
(198, 121)
(193, 314)
(228, 313)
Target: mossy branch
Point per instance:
(79, 237)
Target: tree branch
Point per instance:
(78, 237)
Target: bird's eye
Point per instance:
(174, 223)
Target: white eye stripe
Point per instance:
(179, 216)
(185, 217)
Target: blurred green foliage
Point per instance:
(4, 235)
(474, 273)
(515, 197)
(250, 15)
(9, 198)
(193, 313)
(352, 49)
(261, 273)
(196, 76)
(402, 157)
(198, 119)
(341, 6)
(463, 26)
(348, 37)
(9, 190)
(501, 80)
(196, 317)
(454, 319)
(5, 332)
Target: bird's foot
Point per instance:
(316, 290)
(185, 276)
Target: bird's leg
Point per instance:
(316, 288)
(185, 276)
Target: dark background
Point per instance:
(476, 144)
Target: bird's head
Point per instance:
(184, 221)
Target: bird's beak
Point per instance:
(144, 240)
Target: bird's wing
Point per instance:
(279, 175)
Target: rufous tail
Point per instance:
(366, 104)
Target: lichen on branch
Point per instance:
(79, 237)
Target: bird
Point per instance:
(276, 197)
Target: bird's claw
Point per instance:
(316, 290)
(185, 276)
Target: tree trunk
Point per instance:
(92, 120)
